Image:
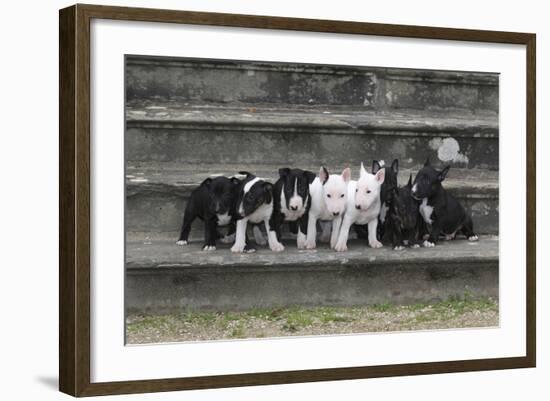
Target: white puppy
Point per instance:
(363, 207)
(328, 202)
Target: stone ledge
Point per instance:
(437, 76)
(165, 254)
(162, 276)
(174, 115)
(162, 177)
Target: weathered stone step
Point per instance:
(161, 275)
(171, 132)
(156, 193)
(247, 82)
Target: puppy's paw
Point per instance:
(341, 247)
(415, 246)
(209, 248)
(449, 237)
(228, 239)
(249, 249)
(182, 242)
(238, 248)
(398, 248)
(473, 238)
(277, 247)
(428, 244)
(375, 244)
(310, 244)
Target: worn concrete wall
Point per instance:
(281, 146)
(246, 82)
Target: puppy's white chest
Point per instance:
(223, 219)
(261, 214)
(365, 216)
(426, 211)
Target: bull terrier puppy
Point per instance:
(329, 194)
(442, 213)
(292, 202)
(404, 218)
(213, 202)
(363, 207)
(254, 205)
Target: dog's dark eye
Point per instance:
(328, 195)
(356, 190)
(341, 196)
(368, 191)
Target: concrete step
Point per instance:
(248, 82)
(161, 275)
(156, 193)
(172, 132)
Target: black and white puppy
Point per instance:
(213, 201)
(292, 202)
(254, 205)
(386, 194)
(403, 218)
(442, 213)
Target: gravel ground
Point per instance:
(299, 321)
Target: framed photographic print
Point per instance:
(250, 200)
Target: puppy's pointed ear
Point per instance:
(380, 175)
(375, 166)
(395, 166)
(443, 173)
(235, 181)
(362, 170)
(284, 171)
(410, 183)
(323, 175)
(346, 174)
(309, 176)
(247, 174)
(427, 162)
(207, 182)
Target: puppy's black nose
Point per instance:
(358, 207)
(335, 213)
(294, 208)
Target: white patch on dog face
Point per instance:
(246, 188)
(296, 201)
(426, 211)
(249, 184)
(368, 188)
(335, 193)
(223, 219)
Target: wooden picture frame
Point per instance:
(74, 203)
